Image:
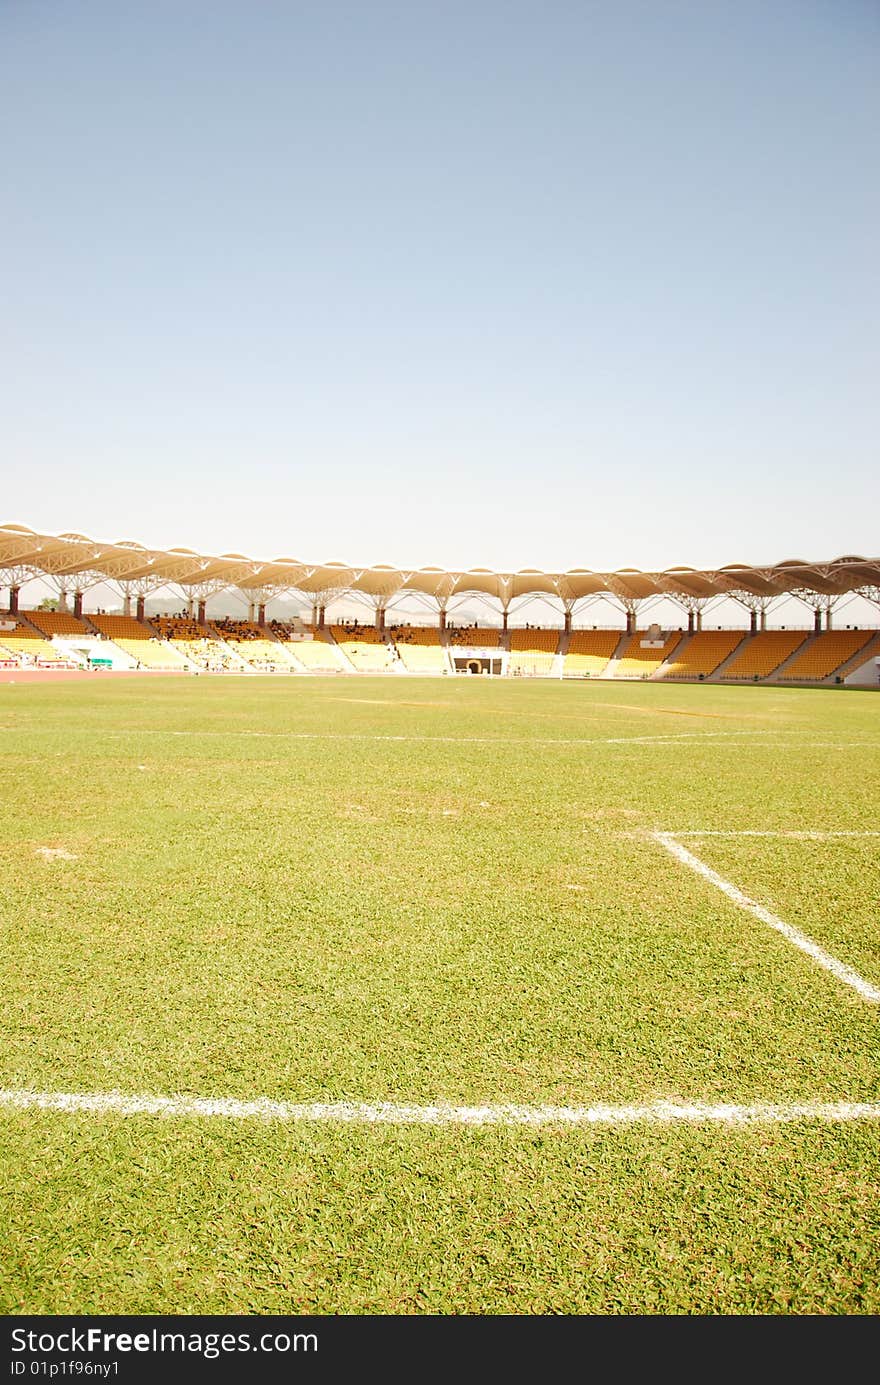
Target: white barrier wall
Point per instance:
(868, 676)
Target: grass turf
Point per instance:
(323, 889)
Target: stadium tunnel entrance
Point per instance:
(477, 663)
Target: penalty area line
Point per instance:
(392, 1113)
(844, 973)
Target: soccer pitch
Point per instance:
(439, 996)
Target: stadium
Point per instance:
(439, 673)
(69, 637)
(529, 969)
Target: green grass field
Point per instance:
(436, 893)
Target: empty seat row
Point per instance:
(824, 654)
(589, 651)
(702, 653)
(644, 654)
(764, 652)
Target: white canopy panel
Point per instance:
(85, 561)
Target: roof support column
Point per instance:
(80, 583)
(125, 588)
(630, 605)
(14, 578)
(505, 596)
(140, 587)
(197, 595)
(258, 599)
(694, 606)
(757, 607)
(379, 602)
(817, 602)
(320, 599)
(77, 583)
(442, 600)
(568, 605)
(441, 611)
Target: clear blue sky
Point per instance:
(518, 284)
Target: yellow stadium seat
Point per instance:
(57, 623)
(419, 648)
(254, 645)
(197, 644)
(764, 652)
(28, 648)
(702, 654)
(589, 651)
(121, 627)
(532, 651)
(313, 653)
(139, 642)
(824, 654)
(364, 647)
(475, 636)
(640, 661)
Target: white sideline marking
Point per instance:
(800, 940)
(664, 738)
(805, 836)
(390, 1113)
(719, 739)
(469, 740)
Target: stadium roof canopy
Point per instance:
(77, 562)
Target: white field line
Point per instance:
(390, 1113)
(790, 835)
(662, 737)
(668, 738)
(471, 740)
(800, 940)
